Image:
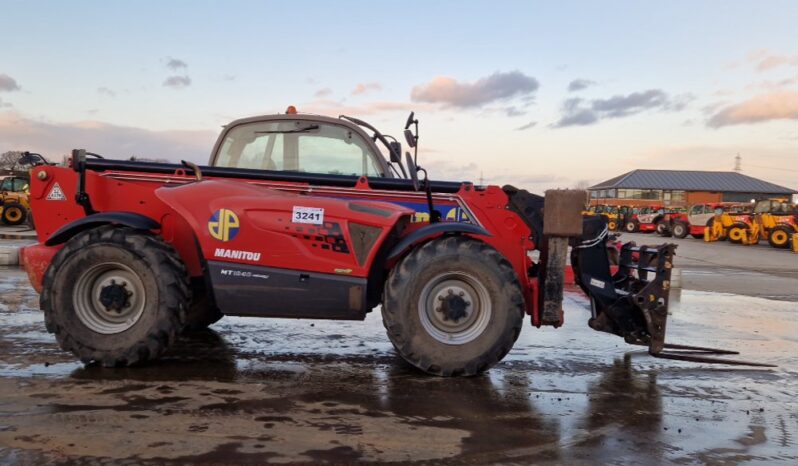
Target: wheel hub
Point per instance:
(454, 308)
(109, 298)
(115, 296)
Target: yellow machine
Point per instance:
(14, 200)
(609, 212)
(737, 228)
(773, 219)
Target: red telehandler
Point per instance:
(301, 216)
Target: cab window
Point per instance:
(762, 207)
(300, 146)
(14, 185)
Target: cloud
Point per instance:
(581, 112)
(8, 84)
(513, 111)
(57, 139)
(105, 91)
(527, 126)
(453, 93)
(580, 84)
(323, 92)
(177, 82)
(4, 105)
(767, 61)
(575, 115)
(362, 88)
(176, 64)
(777, 105)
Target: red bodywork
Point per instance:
(184, 208)
(682, 217)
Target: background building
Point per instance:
(683, 187)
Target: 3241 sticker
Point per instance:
(312, 215)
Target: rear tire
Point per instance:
(115, 296)
(14, 214)
(780, 238)
(680, 230)
(453, 306)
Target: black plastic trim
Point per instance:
(128, 219)
(346, 181)
(434, 230)
(254, 290)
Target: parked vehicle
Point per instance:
(700, 216)
(301, 216)
(14, 200)
(610, 213)
(645, 219)
(778, 221)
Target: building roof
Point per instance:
(687, 180)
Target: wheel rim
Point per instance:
(630, 227)
(612, 226)
(678, 230)
(660, 228)
(779, 237)
(735, 234)
(109, 298)
(454, 308)
(13, 214)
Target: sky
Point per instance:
(535, 94)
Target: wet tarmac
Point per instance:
(253, 391)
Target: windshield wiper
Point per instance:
(286, 131)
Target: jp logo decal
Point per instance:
(223, 225)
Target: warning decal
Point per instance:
(56, 194)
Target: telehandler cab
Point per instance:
(301, 216)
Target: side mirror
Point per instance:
(410, 119)
(412, 171)
(396, 151)
(410, 138)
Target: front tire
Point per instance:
(453, 307)
(632, 227)
(115, 296)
